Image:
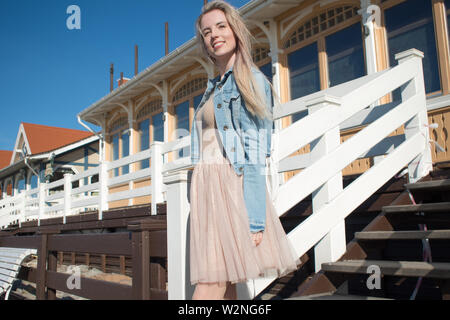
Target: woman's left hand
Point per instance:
(257, 237)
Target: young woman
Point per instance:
(235, 232)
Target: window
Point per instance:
(115, 149)
(259, 54)
(189, 88)
(158, 127)
(324, 50)
(144, 134)
(34, 184)
(125, 149)
(303, 67)
(186, 99)
(410, 25)
(152, 111)
(182, 116)
(197, 100)
(345, 55)
(21, 185)
(327, 19)
(267, 70)
(9, 188)
(182, 124)
(120, 143)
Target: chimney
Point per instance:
(122, 80)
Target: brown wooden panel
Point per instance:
(114, 243)
(90, 288)
(31, 242)
(52, 221)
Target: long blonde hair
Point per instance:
(254, 99)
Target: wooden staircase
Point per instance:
(393, 241)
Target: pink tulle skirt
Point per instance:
(221, 248)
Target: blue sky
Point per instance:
(50, 73)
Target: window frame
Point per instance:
(120, 131)
(149, 117)
(320, 39)
(441, 36)
(189, 97)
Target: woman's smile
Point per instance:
(218, 45)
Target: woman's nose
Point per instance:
(214, 33)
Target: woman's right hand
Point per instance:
(257, 238)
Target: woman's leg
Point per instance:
(209, 291)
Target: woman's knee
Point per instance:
(209, 291)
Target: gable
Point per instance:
(36, 139)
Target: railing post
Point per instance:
(141, 231)
(43, 258)
(52, 266)
(42, 195)
(103, 189)
(177, 234)
(422, 164)
(157, 179)
(67, 195)
(333, 245)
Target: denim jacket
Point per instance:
(245, 138)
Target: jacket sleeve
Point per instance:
(257, 146)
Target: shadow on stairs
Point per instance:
(395, 249)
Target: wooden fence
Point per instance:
(145, 238)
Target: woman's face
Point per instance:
(218, 37)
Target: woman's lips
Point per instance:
(218, 45)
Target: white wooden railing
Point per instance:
(352, 104)
(328, 110)
(45, 202)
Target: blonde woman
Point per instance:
(236, 234)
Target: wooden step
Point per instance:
(392, 268)
(334, 296)
(425, 207)
(436, 185)
(402, 235)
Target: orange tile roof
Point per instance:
(5, 158)
(44, 138)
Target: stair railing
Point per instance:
(324, 230)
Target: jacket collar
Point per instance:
(216, 81)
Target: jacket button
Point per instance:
(219, 106)
(225, 128)
(219, 86)
(233, 149)
(241, 169)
